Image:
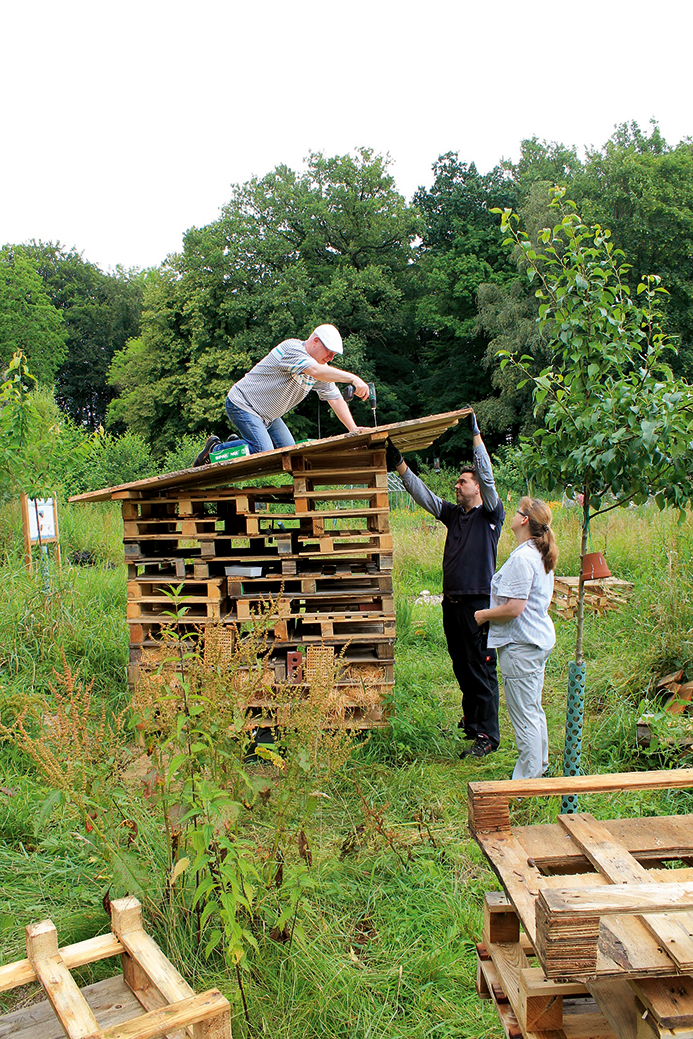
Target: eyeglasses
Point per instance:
(521, 513)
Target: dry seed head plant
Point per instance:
(66, 743)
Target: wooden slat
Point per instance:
(190, 1011)
(70, 1006)
(568, 921)
(615, 899)
(126, 921)
(616, 1002)
(488, 801)
(650, 840)
(414, 434)
(615, 862)
(521, 880)
(110, 1000)
(77, 955)
(669, 1000)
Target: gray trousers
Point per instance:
(522, 668)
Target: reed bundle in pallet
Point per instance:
(604, 910)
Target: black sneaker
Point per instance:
(203, 457)
(479, 748)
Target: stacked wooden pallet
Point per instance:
(592, 935)
(606, 593)
(150, 998)
(318, 548)
(315, 551)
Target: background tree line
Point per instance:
(423, 292)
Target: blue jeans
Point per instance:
(258, 435)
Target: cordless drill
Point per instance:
(372, 398)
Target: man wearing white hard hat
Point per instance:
(257, 403)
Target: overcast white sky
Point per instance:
(125, 123)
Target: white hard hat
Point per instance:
(330, 338)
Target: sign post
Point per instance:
(40, 526)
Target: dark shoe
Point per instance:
(203, 456)
(479, 748)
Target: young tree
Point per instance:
(38, 444)
(617, 424)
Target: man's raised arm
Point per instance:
(416, 487)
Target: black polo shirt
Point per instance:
(471, 546)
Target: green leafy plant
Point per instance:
(37, 444)
(617, 424)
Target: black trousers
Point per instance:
(474, 665)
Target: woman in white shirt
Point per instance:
(522, 631)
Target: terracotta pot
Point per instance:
(594, 566)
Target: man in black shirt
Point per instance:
(469, 561)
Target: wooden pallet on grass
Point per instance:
(149, 999)
(594, 903)
(601, 595)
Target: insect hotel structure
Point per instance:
(313, 547)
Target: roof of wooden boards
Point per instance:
(413, 435)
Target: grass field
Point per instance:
(381, 937)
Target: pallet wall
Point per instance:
(322, 551)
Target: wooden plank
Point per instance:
(193, 1010)
(521, 880)
(126, 922)
(21, 972)
(616, 899)
(669, 1000)
(506, 1015)
(615, 862)
(111, 1002)
(413, 434)
(488, 801)
(568, 921)
(70, 1006)
(616, 1002)
(650, 840)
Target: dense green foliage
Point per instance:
(101, 313)
(289, 252)
(423, 292)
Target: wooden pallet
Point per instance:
(601, 595)
(595, 903)
(321, 542)
(149, 999)
(529, 1006)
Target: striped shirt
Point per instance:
(279, 382)
(522, 576)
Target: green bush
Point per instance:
(182, 453)
(113, 460)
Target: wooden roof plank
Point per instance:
(412, 435)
